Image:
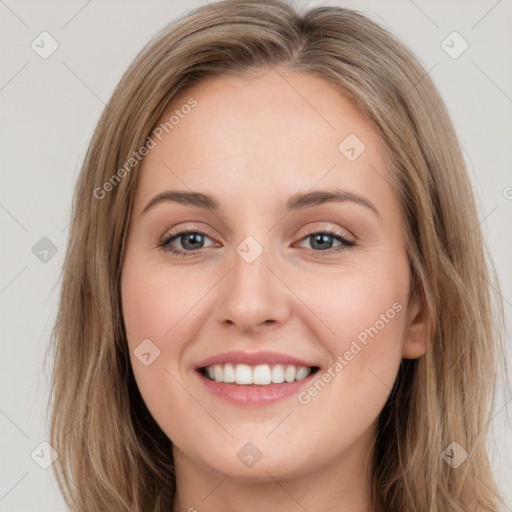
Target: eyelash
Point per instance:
(345, 243)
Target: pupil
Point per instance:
(322, 239)
(192, 238)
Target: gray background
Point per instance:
(49, 108)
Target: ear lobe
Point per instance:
(415, 343)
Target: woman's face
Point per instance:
(278, 280)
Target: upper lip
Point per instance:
(252, 359)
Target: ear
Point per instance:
(415, 342)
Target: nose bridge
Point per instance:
(252, 294)
(251, 262)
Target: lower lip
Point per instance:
(253, 394)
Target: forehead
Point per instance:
(276, 131)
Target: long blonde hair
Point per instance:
(112, 454)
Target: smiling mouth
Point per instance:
(258, 375)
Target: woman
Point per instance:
(211, 352)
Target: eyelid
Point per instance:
(311, 230)
(330, 227)
(181, 229)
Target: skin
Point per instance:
(252, 143)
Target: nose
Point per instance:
(253, 298)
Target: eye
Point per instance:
(322, 241)
(192, 241)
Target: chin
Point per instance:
(246, 462)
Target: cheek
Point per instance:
(156, 301)
(361, 321)
(357, 303)
(158, 305)
(152, 307)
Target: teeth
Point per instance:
(290, 373)
(277, 374)
(302, 373)
(261, 375)
(229, 373)
(243, 374)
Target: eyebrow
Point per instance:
(298, 201)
